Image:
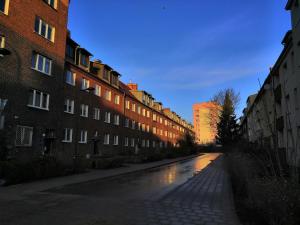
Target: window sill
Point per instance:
(50, 41)
(67, 142)
(82, 142)
(70, 84)
(83, 116)
(71, 113)
(106, 143)
(50, 75)
(35, 107)
(107, 122)
(23, 146)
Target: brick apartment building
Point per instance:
(55, 100)
(206, 116)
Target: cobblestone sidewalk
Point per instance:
(206, 199)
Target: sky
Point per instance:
(184, 51)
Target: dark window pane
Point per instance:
(43, 30)
(2, 5)
(37, 24)
(49, 35)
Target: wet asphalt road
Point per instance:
(147, 185)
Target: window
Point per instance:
(127, 104)
(166, 133)
(68, 133)
(160, 144)
(133, 125)
(154, 130)
(147, 143)
(166, 122)
(114, 80)
(52, 3)
(126, 122)
(154, 144)
(126, 141)
(117, 99)
(143, 127)
(69, 106)
(108, 95)
(148, 114)
(132, 142)
(160, 120)
(85, 84)
(106, 139)
(44, 29)
(41, 63)
(38, 99)
(24, 136)
(84, 110)
(70, 51)
(116, 119)
(106, 74)
(70, 77)
(139, 109)
(96, 115)
(83, 137)
(143, 143)
(139, 126)
(133, 107)
(116, 140)
(154, 117)
(4, 6)
(148, 128)
(107, 117)
(97, 90)
(144, 112)
(2, 41)
(84, 60)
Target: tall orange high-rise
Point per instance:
(206, 117)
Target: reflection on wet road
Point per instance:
(151, 184)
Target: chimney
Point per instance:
(132, 86)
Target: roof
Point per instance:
(86, 51)
(287, 37)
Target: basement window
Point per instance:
(24, 136)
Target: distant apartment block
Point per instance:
(206, 116)
(56, 100)
(272, 117)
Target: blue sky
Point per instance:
(184, 51)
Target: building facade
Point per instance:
(206, 117)
(273, 118)
(54, 99)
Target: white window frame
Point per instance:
(148, 113)
(148, 143)
(126, 122)
(143, 143)
(84, 110)
(2, 41)
(116, 140)
(37, 58)
(72, 77)
(153, 144)
(144, 112)
(126, 141)
(108, 95)
(106, 139)
(83, 137)
(54, 3)
(127, 103)
(132, 142)
(68, 135)
(139, 110)
(97, 90)
(70, 105)
(107, 117)
(22, 133)
(41, 100)
(133, 108)
(48, 27)
(117, 99)
(6, 7)
(154, 116)
(117, 119)
(154, 130)
(85, 84)
(96, 114)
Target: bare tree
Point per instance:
(219, 97)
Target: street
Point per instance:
(194, 191)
